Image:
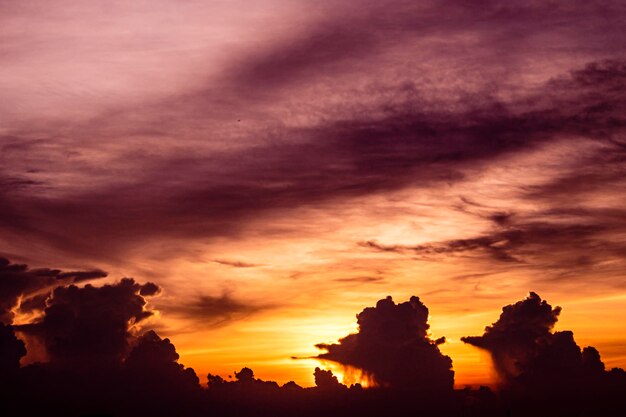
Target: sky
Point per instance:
(277, 166)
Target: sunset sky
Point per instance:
(276, 166)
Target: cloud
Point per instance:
(12, 350)
(410, 143)
(393, 346)
(509, 245)
(87, 326)
(564, 242)
(152, 366)
(530, 357)
(18, 283)
(235, 264)
(360, 280)
(495, 246)
(518, 334)
(325, 379)
(214, 310)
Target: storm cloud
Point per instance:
(531, 358)
(91, 326)
(393, 346)
(19, 283)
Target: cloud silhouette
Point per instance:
(153, 365)
(12, 350)
(214, 310)
(17, 281)
(393, 346)
(532, 359)
(235, 264)
(519, 334)
(91, 325)
(325, 379)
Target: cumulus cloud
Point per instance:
(325, 379)
(152, 364)
(91, 325)
(531, 357)
(12, 350)
(393, 346)
(18, 282)
(520, 332)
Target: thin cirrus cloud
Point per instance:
(340, 160)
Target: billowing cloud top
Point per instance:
(534, 360)
(392, 345)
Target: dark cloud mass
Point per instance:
(18, 281)
(521, 331)
(214, 310)
(325, 379)
(11, 350)
(532, 359)
(129, 376)
(414, 143)
(91, 325)
(152, 365)
(392, 345)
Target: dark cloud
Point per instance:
(518, 334)
(18, 281)
(325, 379)
(235, 264)
(562, 242)
(153, 365)
(214, 310)
(355, 39)
(17, 183)
(497, 246)
(79, 276)
(245, 383)
(508, 245)
(149, 289)
(362, 280)
(365, 152)
(148, 379)
(531, 357)
(12, 350)
(303, 57)
(393, 346)
(91, 325)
